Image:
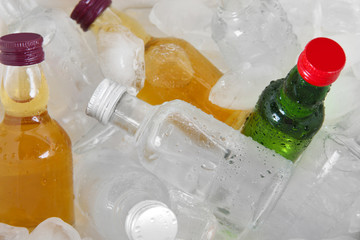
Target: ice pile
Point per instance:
(322, 200)
(50, 229)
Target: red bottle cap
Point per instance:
(321, 62)
(21, 49)
(86, 11)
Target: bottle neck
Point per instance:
(299, 98)
(24, 90)
(130, 113)
(110, 19)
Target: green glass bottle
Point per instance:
(290, 111)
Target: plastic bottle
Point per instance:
(123, 200)
(174, 68)
(35, 159)
(290, 111)
(198, 154)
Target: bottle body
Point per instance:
(284, 122)
(36, 158)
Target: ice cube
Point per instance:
(189, 20)
(258, 44)
(240, 89)
(121, 56)
(122, 5)
(8, 232)
(54, 229)
(320, 201)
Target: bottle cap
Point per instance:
(86, 11)
(104, 100)
(321, 62)
(150, 220)
(21, 49)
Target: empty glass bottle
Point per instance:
(290, 111)
(198, 154)
(35, 152)
(174, 69)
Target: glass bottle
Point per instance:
(75, 73)
(174, 68)
(197, 154)
(290, 111)
(35, 152)
(123, 201)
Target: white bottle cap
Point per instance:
(104, 100)
(149, 220)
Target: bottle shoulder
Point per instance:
(275, 113)
(41, 127)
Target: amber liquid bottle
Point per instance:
(174, 69)
(36, 180)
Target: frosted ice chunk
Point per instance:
(240, 89)
(256, 39)
(121, 4)
(321, 200)
(54, 229)
(121, 56)
(186, 19)
(8, 232)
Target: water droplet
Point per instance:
(44, 181)
(152, 220)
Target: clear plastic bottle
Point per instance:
(197, 153)
(36, 180)
(123, 200)
(174, 69)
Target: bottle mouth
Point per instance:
(104, 100)
(149, 220)
(86, 11)
(21, 49)
(321, 62)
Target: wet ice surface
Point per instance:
(121, 57)
(322, 200)
(50, 229)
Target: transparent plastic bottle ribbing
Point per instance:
(198, 154)
(122, 200)
(72, 76)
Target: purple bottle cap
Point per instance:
(21, 49)
(86, 11)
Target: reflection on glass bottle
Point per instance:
(174, 68)
(290, 111)
(35, 152)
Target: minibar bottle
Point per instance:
(197, 154)
(36, 180)
(174, 69)
(290, 111)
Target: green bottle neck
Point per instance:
(298, 98)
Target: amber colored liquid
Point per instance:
(174, 69)
(35, 171)
(36, 180)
